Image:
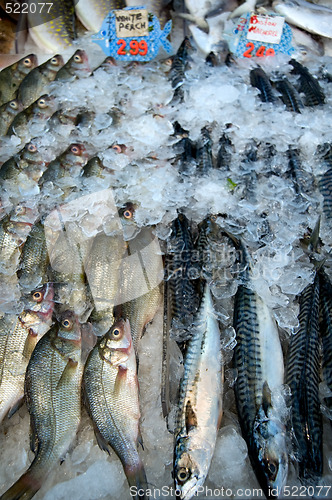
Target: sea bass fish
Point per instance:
(18, 338)
(303, 378)
(111, 391)
(258, 360)
(316, 19)
(12, 76)
(200, 402)
(36, 82)
(53, 396)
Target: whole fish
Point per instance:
(140, 277)
(303, 378)
(289, 95)
(92, 13)
(102, 272)
(316, 19)
(308, 84)
(53, 396)
(111, 391)
(260, 80)
(304, 182)
(76, 67)
(8, 111)
(33, 264)
(18, 338)
(36, 82)
(38, 112)
(200, 402)
(12, 76)
(258, 359)
(53, 29)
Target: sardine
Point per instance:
(200, 402)
(258, 360)
(53, 29)
(53, 396)
(12, 76)
(38, 112)
(303, 377)
(18, 338)
(260, 80)
(76, 67)
(308, 84)
(36, 82)
(316, 19)
(8, 111)
(111, 391)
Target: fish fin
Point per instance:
(33, 439)
(191, 419)
(120, 379)
(15, 407)
(67, 373)
(28, 348)
(21, 34)
(136, 477)
(140, 439)
(26, 487)
(266, 400)
(102, 443)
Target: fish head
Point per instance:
(75, 154)
(15, 105)
(127, 217)
(38, 309)
(190, 468)
(69, 327)
(80, 62)
(272, 458)
(45, 105)
(55, 63)
(118, 338)
(28, 63)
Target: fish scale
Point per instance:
(326, 326)
(308, 85)
(302, 376)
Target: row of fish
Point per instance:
(60, 182)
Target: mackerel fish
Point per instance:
(111, 391)
(325, 327)
(200, 402)
(303, 378)
(18, 338)
(92, 13)
(258, 359)
(12, 76)
(53, 396)
(316, 19)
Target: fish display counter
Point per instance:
(165, 250)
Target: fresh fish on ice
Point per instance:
(12, 76)
(200, 403)
(111, 392)
(76, 67)
(308, 84)
(8, 112)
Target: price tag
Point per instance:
(266, 29)
(260, 36)
(132, 34)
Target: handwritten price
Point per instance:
(135, 47)
(260, 51)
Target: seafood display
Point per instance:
(165, 264)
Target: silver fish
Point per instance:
(316, 19)
(200, 402)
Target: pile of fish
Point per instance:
(200, 183)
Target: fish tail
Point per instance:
(24, 489)
(137, 481)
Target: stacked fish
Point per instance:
(81, 265)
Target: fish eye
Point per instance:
(66, 323)
(42, 103)
(75, 150)
(116, 332)
(27, 62)
(37, 296)
(77, 58)
(55, 60)
(32, 148)
(13, 104)
(183, 474)
(117, 148)
(20, 210)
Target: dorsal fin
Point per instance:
(191, 419)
